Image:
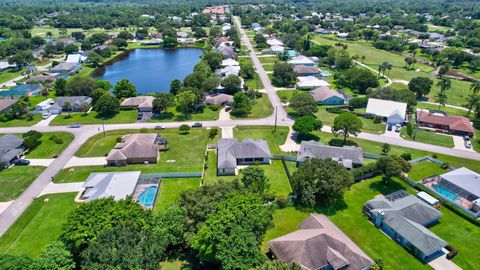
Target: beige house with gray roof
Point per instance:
(135, 149)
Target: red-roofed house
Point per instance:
(453, 124)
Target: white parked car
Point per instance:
(398, 127)
(46, 115)
(468, 144)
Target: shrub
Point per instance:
(118, 139)
(444, 165)
(282, 201)
(213, 133)
(434, 155)
(214, 107)
(334, 110)
(406, 156)
(29, 116)
(184, 128)
(410, 129)
(143, 130)
(358, 102)
(377, 119)
(365, 172)
(453, 252)
(56, 139)
(339, 143)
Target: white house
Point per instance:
(274, 42)
(75, 58)
(310, 82)
(229, 62)
(394, 112)
(301, 60)
(229, 70)
(342, 35)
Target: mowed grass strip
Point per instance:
(93, 117)
(14, 180)
(260, 109)
(429, 137)
(40, 224)
(48, 148)
(170, 190)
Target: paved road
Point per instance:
(13, 82)
(14, 211)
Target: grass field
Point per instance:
(170, 189)
(94, 118)
(9, 74)
(40, 224)
(22, 122)
(185, 154)
(424, 169)
(268, 59)
(273, 138)
(173, 115)
(254, 83)
(429, 137)
(49, 149)
(14, 180)
(43, 30)
(262, 108)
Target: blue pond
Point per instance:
(147, 197)
(151, 70)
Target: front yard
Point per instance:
(14, 180)
(262, 108)
(48, 148)
(40, 224)
(22, 122)
(429, 137)
(94, 118)
(172, 115)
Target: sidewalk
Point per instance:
(53, 188)
(40, 161)
(89, 161)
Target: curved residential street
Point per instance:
(83, 133)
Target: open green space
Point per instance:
(14, 180)
(430, 137)
(449, 110)
(40, 224)
(172, 115)
(273, 137)
(9, 74)
(260, 109)
(185, 154)
(275, 172)
(424, 169)
(170, 189)
(43, 30)
(48, 148)
(268, 59)
(93, 117)
(268, 67)
(432, 27)
(22, 122)
(254, 83)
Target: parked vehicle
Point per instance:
(139, 116)
(160, 127)
(468, 144)
(389, 128)
(74, 125)
(398, 127)
(46, 115)
(21, 162)
(197, 124)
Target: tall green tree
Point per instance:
(124, 89)
(254, 179)
(475, 87)
(347, 124)
(421, 86)
(242, 105)
(283, 74)
(107, 105)
(55, 256)
(392, 166)
(185, 102)
(306, 124)
(303, 104)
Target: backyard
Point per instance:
(170, 189)
(94, 118)
(424, 169)
(42, 222)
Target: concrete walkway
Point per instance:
(290, 144)
(224, 115)
(5, 205)
(88, 161)
(53, 188)
(46, 122)
(40, 161)
(441, 263)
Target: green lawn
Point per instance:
(170, 189)
(429, 137)
(262, 108)
(22, 122)
(368, 124)
(375, 148)
(173, 115)
(432, 27)
(49, 149)
(273, 138)
(9, 74)
(424, 169)
(185, 154)
(14, 180)
(252, 83)
(268, 67)
(94, 118)
(268, 59)
(448, 110)
(40, 224)
(42, 31)
(275, 172)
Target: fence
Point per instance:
(287, 158)
(176, 175)
(371, 156)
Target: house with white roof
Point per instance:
(301, 60)
(394, 112)
(274, 42)
(310, 82)
(229, 62)
(118, 185)
(229, 70)
(75, 58)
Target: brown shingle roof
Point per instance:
(6, 103)
(454, 122)
(319, 243)
(141, 101)
(324, 92)
(141, 145)
(302, 69)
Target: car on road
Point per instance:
(21, 162)
(197, 124)
(398, 127)
(46, 115)
(159, 127)
(74, 125)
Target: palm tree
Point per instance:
(389, 67)
(363, 58)
(473, 100)
(441, 99)
(475, 86)
(445, 84)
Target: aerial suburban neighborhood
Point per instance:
(239, 135)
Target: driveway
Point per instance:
(46, 122)
(227, 132)
(224, 115)
(460, 143)
(88, 161)
(40, 161)
(441, 263)
(4, 205)
(290, 144)
(53, 188)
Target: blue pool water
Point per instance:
(21, 90)
(147, 197)
(445, 192)
(325, 73)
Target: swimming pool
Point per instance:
(445, 192)
(147, 197)
(325, 73)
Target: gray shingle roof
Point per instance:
(10, 147)
(408, 216)
(324, 92)
(6, 103)
(229, 150)
(73, 100)
(312, 149)
(318, 243)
